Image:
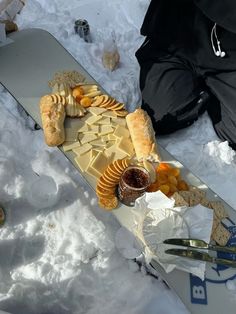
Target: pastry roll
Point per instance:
(52, 109)
(142, 135)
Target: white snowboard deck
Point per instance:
(26, 66)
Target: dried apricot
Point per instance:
(86, 101)
(163, 167)
(172, 180)
(164, 188)
(182, 186)
(153, 187)
(174, 172)
(162, 178)
(77, 92)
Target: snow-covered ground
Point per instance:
(63, 259)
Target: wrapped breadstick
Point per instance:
(142, 135)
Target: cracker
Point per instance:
(197, 191)
(216, 222)
(205, 202)
(108, 204)
(219, 209)
(185, 195)
(121, 113)
(179, 200)
(194, 198)
(221, 235)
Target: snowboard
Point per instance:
(28, 60)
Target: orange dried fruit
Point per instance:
(172, 180)
(173, 188)
(182, 186)
(153, 187)
(174, 172)
(77, 92)
(164, 188)
(86, 101)
(163, 166)
(162, 178)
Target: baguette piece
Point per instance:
(142, 135)
(52, 110)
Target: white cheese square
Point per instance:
(121, 131)
(82, 149)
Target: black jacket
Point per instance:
(185, 26)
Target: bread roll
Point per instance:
(142, 135)
(53, 115)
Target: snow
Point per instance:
(71, 257)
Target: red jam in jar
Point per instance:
(133, 184)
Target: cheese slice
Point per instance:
(105, 138)
(67, 147)
(71, 135)
(109, 114)
(92, 172)
(82, 149)
(83, 128)
(112, 137)
(106, 129)
(83, 161)
(121, 131)
(92, 130)
(98, 142)
(93, 119)
(100, 162)
(126, 146)
(96, 111)
(104, 121)
(98, 148)
(119, 154)
(88, 138)
(110, 150)
(119, 121)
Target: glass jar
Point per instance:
(133, 184)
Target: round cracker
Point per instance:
(105, 192)
(121, 113)
(98, 101)
(108, 204)
(105, 183)
(119, 106)
(119, 164)
(117, 167)
(109, 179)
(112, 170)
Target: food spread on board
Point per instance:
(115, 148)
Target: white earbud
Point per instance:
(218, 52)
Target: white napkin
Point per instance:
(156, 219)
